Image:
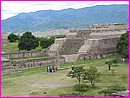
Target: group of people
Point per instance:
(52, 68)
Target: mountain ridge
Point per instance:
(45, 20)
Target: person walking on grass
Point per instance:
(48, 68)
(72, 67)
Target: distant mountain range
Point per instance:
(46, 20)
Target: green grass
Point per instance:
(10, 47)
(38, 82)
(13, 46)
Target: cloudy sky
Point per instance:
(12, 8)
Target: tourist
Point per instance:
(56, 68)
(48, 68)
(72, 67)
(53, 69)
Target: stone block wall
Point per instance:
(92, 56)
(23, 54)
(71, 58)
(14, 65)
(98, 28)
(79, 34)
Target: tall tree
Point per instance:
(122, 45)
(92, 75)
(12, 37)
(28, 42)
(77, 73)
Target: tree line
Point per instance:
(28, 41)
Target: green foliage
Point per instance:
(46, 42)
(112, 89)
(77, 73)
(117, 88)
(71, 94)
(115, 61)
(122, 45)
(92, 75)
(81, 87)
(28, 42)
(106, 92)
(109, 63)
(12, 37)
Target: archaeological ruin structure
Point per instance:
(92, 43)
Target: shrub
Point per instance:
(81, 87)
(46, 42)
(71, 94)
(12, 37)
(112, 89)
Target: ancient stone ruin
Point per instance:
(95, 42)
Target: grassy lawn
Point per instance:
(10, 47)
(13, 46)
(38, 82)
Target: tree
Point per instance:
(115, 61)
(122, 45)
(12, 37)
(81, 88)
(77, 73)
(92, 75)
(109, 63)
(28, 42)
(46, 42)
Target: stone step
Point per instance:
(55, 47)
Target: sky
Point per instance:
(12, 8)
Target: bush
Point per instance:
(112, 89)
(81, 87)
(12, 37)
(46, 42)
(71, 94)
(115, 61)
(122, 45)
(117, 88)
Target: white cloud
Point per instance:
(12, 8)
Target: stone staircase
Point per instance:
(55, 48)
(86, 48)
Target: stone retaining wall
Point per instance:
(92, 56)
(24, 54)
(14, 65)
